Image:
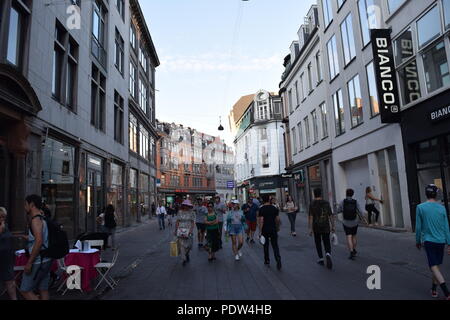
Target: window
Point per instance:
(118, 117)
(367, 19)
(310, 85)
(436, 67)
(186, 181)
(98, 32)
(290, 101)
(348, 40)
(121, 8)
(427, 27)
(294, 140)
(133, 36)
(133, 133)
(98, 93)
(356, 101)
(315, 126)
(296, 92)
(446, 7)
(119, 48)
(14, 37)
(338, 105)
(319, 68)
(265, 157)
(143, 59)
(323, 115)
(263, 132)
(373, 92)
(152, 150)
(403, 47)
(393, 5)
(333, 60)
(327, 12)
(144, 143)
(132, 81)
(307, 132)
(300, 135)
(65, 49)
(302, 84)
(143, 95)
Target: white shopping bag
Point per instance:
(334, 239)
(262, 240)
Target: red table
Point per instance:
(22, 259)
(87, 261)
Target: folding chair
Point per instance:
(105, 274)
(18, 271)
(63, 267)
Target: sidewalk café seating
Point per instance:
(93, 236)
(104, 268)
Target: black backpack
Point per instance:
(58, 243)
(110, 221)
(350, 209)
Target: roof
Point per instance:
(241, 106)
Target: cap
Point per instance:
(431, 189)
(187, 203)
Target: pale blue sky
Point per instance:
(212, 52)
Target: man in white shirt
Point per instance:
(161, 214)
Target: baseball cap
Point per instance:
(431, 189)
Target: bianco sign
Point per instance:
(440, 114)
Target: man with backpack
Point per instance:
(351, 212)
(45, 241)
(321, 223)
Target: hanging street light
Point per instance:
(221, 128)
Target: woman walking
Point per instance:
(184, 228)
(7, 257)
(235, 228)
(212, 232)
(291, 210)
(110, 224)
(370, 206)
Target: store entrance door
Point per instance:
(446, 168)
(95, 199)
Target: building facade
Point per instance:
(259, 166)
(192, 164)
(71, 94)
(396, 160)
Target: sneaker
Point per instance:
(294, 234)
(352, 256)
(434, 294)
(187, 258)
(329, 262)
(240, 254)
(184, 263)
(354, 252)
(321, 262)
(248, 239)
(237, 258)
(279, 264)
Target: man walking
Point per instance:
(351, 212)
(321, 222)
(220, 209)
(161, 214)
(269, 223)
(200, 215)
(36, 274)
(252, 218)
(432, 231)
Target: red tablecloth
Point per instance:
(87, 261)
(22, 259)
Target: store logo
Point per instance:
(74, 279)
(440, 114)
(385, 74)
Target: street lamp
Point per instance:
(221, 128)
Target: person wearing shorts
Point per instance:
(200, 214)
(352, 212)
(235, 228)
(432, 233)
(36, 275)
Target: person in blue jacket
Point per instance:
(432, 232)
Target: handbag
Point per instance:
(174, 252)
(183, 232)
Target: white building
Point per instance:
(259, 146)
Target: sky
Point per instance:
(212, 52)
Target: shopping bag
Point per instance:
(174, 252)
(334, 239)
(262, 240)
